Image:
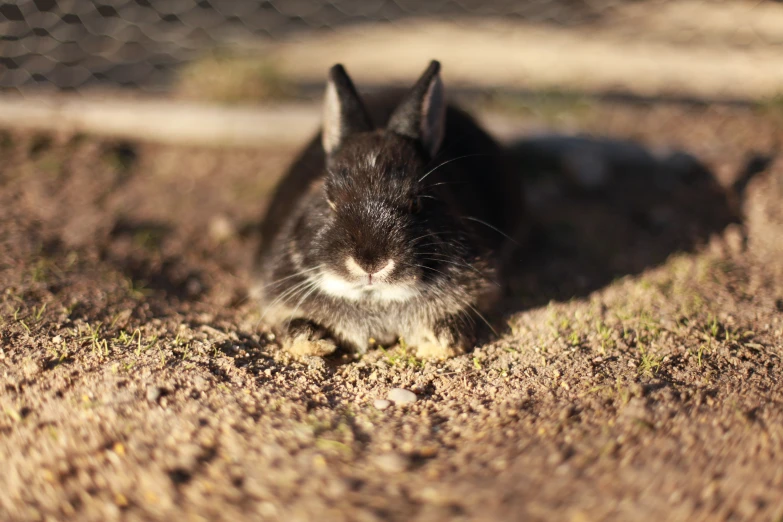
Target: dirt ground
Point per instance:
(635, 377)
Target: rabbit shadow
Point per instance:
(605, 208)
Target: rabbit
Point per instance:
(393, 224)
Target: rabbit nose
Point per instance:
(370, 260)
(369, 267)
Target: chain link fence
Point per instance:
(693, 50)
(71, 44)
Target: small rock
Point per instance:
(636, 410)
(427, 452)
(381, 404)
(154, 393)
(566, 413)
(399, 396)
(391, 463)
(200, 383)
(57, 339)
(193, 287)
(31, 368)
(221, 229)
(315, 363)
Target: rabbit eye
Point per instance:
(414, 205)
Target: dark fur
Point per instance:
(445, 233)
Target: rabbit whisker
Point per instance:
(428, 268)
(301, 272)
(484, 319)
(444, 183)
(449, 161)
(283, 297)
(457, 263)
(307, 294)
(492, 227)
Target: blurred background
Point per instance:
(727, 50)
(249, 50)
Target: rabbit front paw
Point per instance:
(444, 340)
(306, 338)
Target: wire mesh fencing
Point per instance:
(655, 50)
(70, 44)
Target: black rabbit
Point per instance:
(393, 223)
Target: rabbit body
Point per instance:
(392, 223)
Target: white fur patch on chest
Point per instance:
(336, 286)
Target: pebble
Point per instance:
(315, 363)
(400, 396)
(193, 287)
(381, 404)
(221, 229)
(566, 413)
(154, 393)
(200, 383)
(391, 463)
(31, 368)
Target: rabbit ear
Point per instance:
(344, 112)
(421, 114)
